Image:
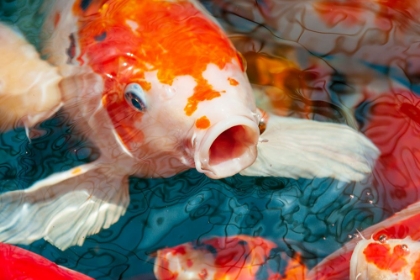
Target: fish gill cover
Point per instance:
(351, 62)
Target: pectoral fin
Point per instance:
(65, 207)
(297, 148)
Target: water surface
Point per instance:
(354, 62)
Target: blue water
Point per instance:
(312, 217)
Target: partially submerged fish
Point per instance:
(159, 88)
(386, 259)
(357, 257)
(233, 257)
(18, 263)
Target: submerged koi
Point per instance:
(159, 88)
(235, 257)
(386, 259)
(282, 88)
(18, 263)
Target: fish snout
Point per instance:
(227, 147)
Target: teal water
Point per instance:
(312, 217)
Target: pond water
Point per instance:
(353, 62)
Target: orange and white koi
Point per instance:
(159, 89)
(234, 257)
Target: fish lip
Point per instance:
(247, 146)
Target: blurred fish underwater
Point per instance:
(349, 62)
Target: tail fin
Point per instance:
(65, 207)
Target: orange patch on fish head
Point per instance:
(202, 123)
(164, 65)
(124, 39)
(233, 82)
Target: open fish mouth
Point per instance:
(227, 148)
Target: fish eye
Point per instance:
(135, 96)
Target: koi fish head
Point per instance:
(386, 259)
(174, 87)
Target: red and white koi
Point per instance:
(386, 259)
(234, 257)
(392, 252)
(159, 88)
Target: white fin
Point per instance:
(65, 207)
(297, 148)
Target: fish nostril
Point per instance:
(231, 144)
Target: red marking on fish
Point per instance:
(383, 258)
(179, 250)
(17, 263)
(236, 257)
(203, 274)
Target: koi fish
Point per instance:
(159, 88)
(394, 128)
(384, 252)
(282, 88)
(25, 78)
(234, 257)
(386, 259)
(318, 25)
(18, 263)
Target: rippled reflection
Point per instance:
(353, 62)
